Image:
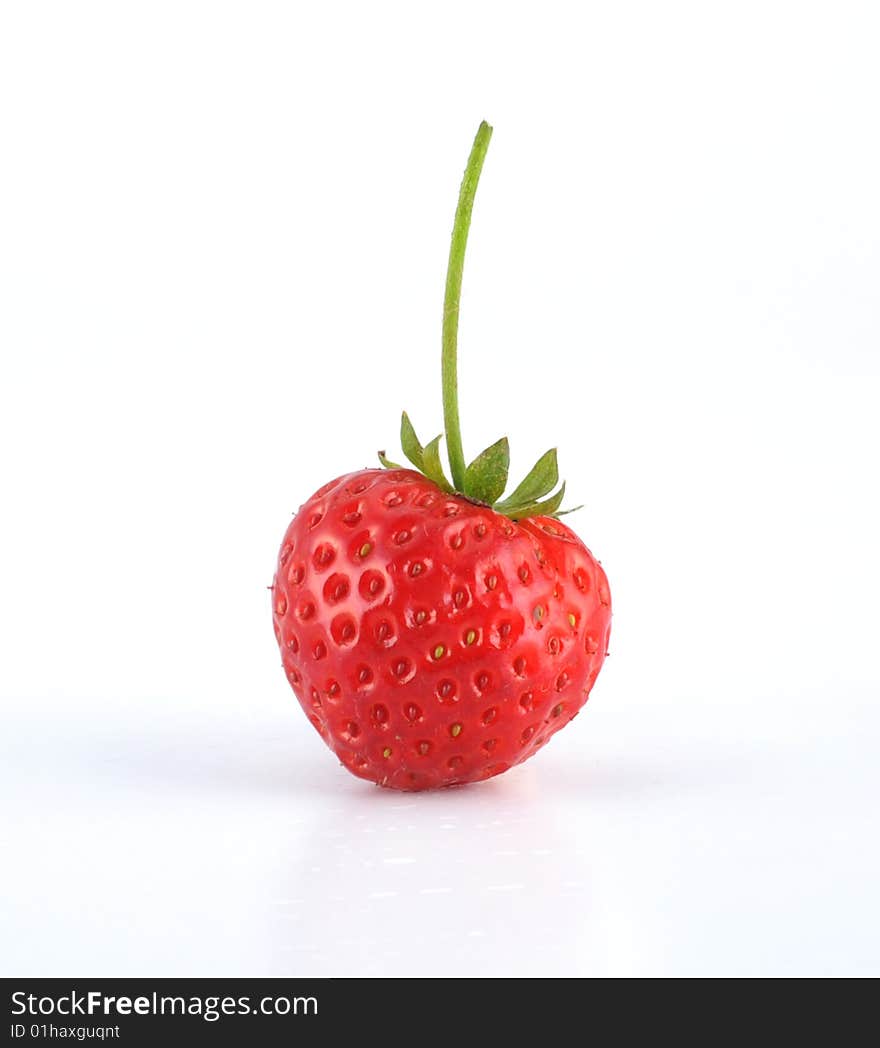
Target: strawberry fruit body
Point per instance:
(435, 631)
(432, 641)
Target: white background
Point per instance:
(222, 253)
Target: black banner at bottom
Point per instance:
(135, 1012)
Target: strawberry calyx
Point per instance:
(484, 480)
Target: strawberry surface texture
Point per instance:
(431, 640)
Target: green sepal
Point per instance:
(387, 463)
(432, 467)
(547, 508)
(542, 478)
(410, 442)
(565, 512)
(486, 477)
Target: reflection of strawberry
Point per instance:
(436, 633)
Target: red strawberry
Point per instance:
(435, 633)
(431, 640)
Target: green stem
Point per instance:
(453, 296)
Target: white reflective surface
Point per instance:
(235, 847)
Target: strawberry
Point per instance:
(434, 632)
